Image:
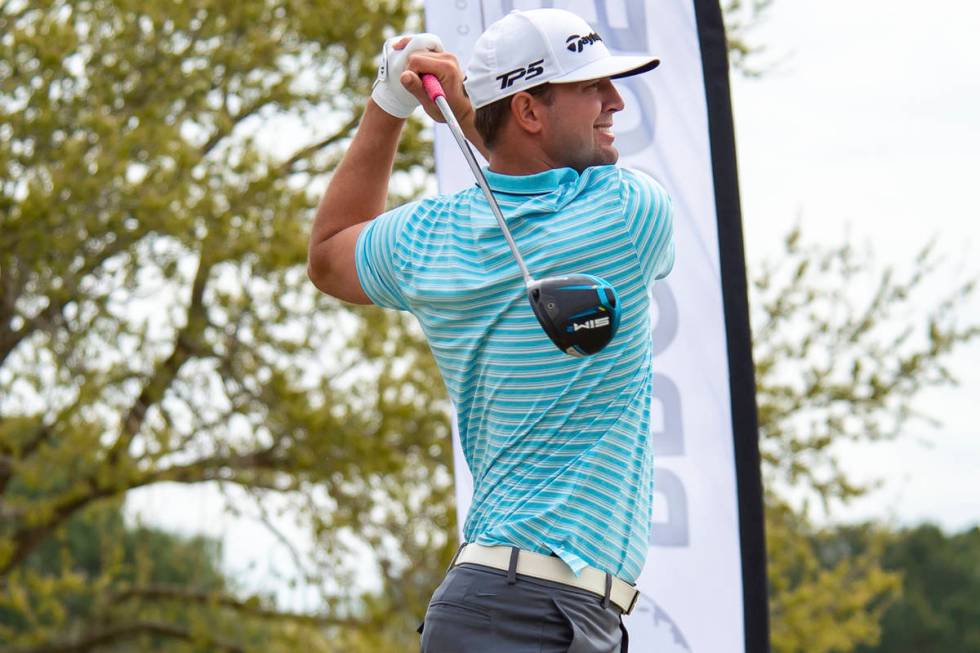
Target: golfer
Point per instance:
(559, 447)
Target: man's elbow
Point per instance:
(331, 267)
(335, 280)
(318, 268)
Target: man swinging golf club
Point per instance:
(558, 444)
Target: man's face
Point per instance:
(578, 132)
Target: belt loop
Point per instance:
(605, 599)
(455, 555)
(512, 568)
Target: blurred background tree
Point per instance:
(843, 348)
(742, 17)
(834, 366)
(938, 609)
(156, 325)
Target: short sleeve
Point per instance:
(377, 256)
(649, 222)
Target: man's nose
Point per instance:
(612, 100)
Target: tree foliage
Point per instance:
(822, 603)
(152, 591)
(91, 558)
(842, 350)
(940, 604)
(937, 609)
(156, 323)
(742, 17)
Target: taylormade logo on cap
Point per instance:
(528, 48)
(576, 42)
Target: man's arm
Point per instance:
(356, 194)
(359, 186)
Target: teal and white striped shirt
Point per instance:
(559, 447)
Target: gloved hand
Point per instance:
(388, 92)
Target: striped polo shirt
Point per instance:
(559, 447)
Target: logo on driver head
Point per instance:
(589, 324)
(576, 43)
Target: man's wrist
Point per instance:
(376, 113)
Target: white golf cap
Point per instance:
(528, 48)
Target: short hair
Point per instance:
(492, 117)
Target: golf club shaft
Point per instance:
(437, 95)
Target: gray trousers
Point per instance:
(476, 610)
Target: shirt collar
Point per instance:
(536, 184)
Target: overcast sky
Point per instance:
(869, 125)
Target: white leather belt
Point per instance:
(551, 568)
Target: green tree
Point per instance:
(181, 576)
(97, 545)
(822, 600)
(156, 323)
(939, 609)
(842, 349)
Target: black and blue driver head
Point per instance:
(579, 312)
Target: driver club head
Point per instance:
(579, 312)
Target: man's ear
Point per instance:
(527, 112)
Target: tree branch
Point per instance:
(266, 521)
(209, 469)
(42, 434)
(25, 540)
(185, 348)
(206, 469)
(247, 607)
(221, 134)
(309, 150)
(110, 635)
(55, 310)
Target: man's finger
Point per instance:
(413, 84)
(410, 81)
(401, 43)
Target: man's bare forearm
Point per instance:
(359, 186)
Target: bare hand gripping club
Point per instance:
(579, 312)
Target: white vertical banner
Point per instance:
(703, 586)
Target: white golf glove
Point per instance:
(388, 92)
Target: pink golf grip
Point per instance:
(432, 86)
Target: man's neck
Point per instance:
(521, 163)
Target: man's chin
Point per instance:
(604, 156)
(608, 156)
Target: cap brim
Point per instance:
(615, 67)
